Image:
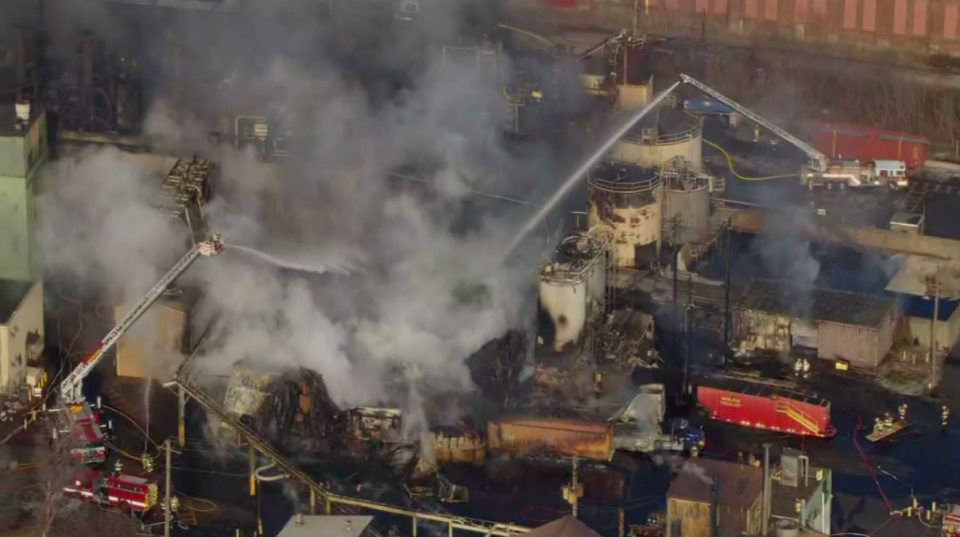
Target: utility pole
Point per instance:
(933, 328)
(168, 511)
(726, 292)
(574, 491)
(636, 18)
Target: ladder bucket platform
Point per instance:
(878, 435)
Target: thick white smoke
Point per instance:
(423, 294)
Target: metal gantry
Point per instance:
(334, 501)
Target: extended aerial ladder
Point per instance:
(818, 161)
(71, 389)
(820, 170)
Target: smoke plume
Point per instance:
(420, 293)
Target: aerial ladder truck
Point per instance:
(84, 422)
(820, 172)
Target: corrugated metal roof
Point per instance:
(828, 305)
(740, 484)
(325, 526)
(568, 526)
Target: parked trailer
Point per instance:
(764, 407)
(857, 142)
(552, 436)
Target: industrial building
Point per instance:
(709, 493)
(21, 336)
(840, 325)
(23, 153)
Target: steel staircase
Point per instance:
(798, 416)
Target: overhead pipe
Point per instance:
(258, 473)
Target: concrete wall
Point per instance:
(861, 346)
(946, 332)
(757, 330)
(15, 353)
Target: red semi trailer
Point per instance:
(763, 407)
(857, 142)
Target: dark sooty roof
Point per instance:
(12, 293)
(567, 526)
(740, 484)
(825, 304)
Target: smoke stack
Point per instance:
(298, 520)
(349, 526)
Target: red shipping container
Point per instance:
(761, 407)
(857, 142)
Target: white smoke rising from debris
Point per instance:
(679, 465)
(419, 301)
(787, 256)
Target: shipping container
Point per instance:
(856, 142)
(551, 436)
(764, 407)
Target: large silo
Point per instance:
(626, 200)
(687, 200)
(662, 136)
(572, 288)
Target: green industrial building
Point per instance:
(23, 153)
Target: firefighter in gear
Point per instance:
(888, 422)
(877, 426)
(806, 367)
(174, 504)
(944, 417)
(147, 462)
(902, 412)
(118, 466)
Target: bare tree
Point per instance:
(35, 504)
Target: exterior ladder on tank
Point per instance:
(798, 416)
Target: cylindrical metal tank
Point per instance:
(787, 528)
(661, 137)
(572, 287)
(687, 200)
(626, 200)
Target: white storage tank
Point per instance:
(660, 137)
(688, 199)
(572, 288)
(626, 200)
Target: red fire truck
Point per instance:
(128, 492)
(88, 433)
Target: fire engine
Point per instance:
(84, 421)
(128, 492)
(88, 434)
(821, 172)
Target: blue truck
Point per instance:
(700, 105)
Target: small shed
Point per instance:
(855, 327)
(326, 526)
(733, 489)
